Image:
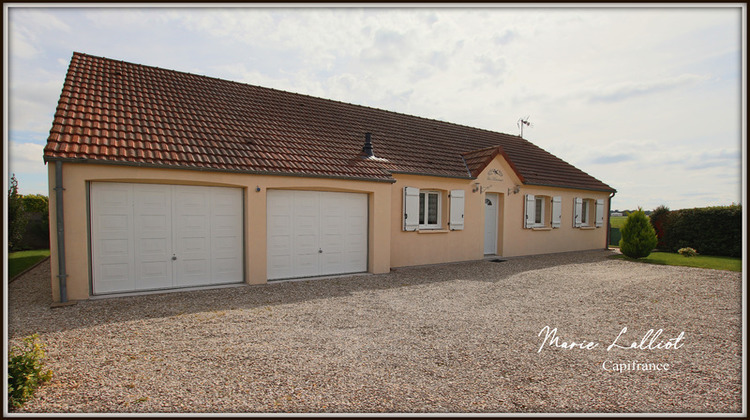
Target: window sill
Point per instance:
(587, 227)
(541, 228)
(433, 231)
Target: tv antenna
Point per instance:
(523, 121)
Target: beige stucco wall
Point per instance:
(515, 240)
(430, 247)
(76, 176)
(435, 246)
(389, 245)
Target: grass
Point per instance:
(617, 221)
(19, 261)
(700, 261)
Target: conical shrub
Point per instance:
(638, 236)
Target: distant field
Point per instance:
(617, 221)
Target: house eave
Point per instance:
(435, 175)
(204, 169)
(569, 187)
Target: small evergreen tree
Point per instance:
(638, 236)
(16, 216)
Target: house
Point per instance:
(161, 179)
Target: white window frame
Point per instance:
(586, 212)
(539, 204)
(426, 225)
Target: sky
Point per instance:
(648, 100)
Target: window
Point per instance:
(539, 211)
(542, 211)
(423, 209)
(429, 210)
(587, 210)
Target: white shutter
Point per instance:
(530, 211)
(411, 209)
(599, 212)
(457, 210)
(556, 211)
(577, 211)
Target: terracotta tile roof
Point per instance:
(116, 112)
(477, 160)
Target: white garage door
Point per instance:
(315, 233)
(153, 236)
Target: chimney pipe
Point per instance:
(367, 150)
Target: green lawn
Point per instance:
(617, 221)
(19, 261)
(700, 261)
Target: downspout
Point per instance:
(609, 225)
(62, 274)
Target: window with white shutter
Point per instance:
(556, 211)
(456, 221)
(411, 209)
(599, 212)
(529, 211)
(577, 212)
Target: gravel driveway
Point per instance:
(450, 338)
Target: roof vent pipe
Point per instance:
(367, 150)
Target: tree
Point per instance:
(16, 216)
(638, 236)
(658, 219)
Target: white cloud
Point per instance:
(25, 158)
(624, 90)
(32, 104)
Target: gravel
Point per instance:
(448, 338)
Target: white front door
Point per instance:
(314, 233)
(490, 223)
(154, 236)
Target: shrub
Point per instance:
(37, 212)
(638, 236)
(658, 220)
(26, 371)
(709, 230)
(687, 252)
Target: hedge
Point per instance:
(709, 230)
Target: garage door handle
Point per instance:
(174, 257)
(320, 250)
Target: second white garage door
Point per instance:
(315, 233)
(152, 236)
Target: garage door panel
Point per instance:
(153, 221)
(113, 246)
(313, 233)
(226, 236)
(202, 227)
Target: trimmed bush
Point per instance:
(26, 371)
(687, 252)
(638, 236)
(709, 230)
